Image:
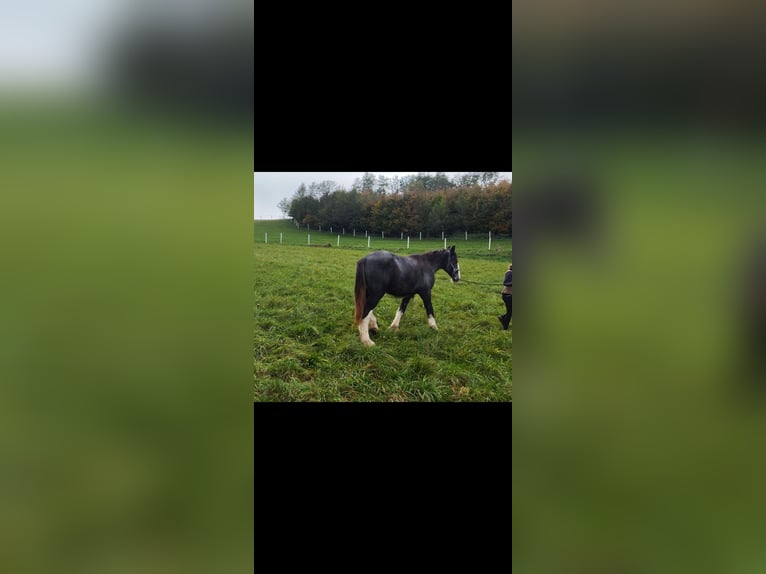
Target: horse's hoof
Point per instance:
(368, 343)
(393, 328)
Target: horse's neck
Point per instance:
(435, 260)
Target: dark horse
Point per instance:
(382, 272)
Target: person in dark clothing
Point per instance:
(505, 320)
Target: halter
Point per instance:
(455, 269)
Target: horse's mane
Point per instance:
(428, 253)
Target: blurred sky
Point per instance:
(271, 187)
(64, 43)
(54, 43)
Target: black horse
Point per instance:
(383, 272)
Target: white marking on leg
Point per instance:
(395, 322)
(364, 331)
(432, 323)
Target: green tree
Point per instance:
(395, 185)
(366, 183)
(439, 181)
(284, 206)
(437, 215)
(417, 213)
(502, 214)
(488, 177)
(467, 179)
(381, 184)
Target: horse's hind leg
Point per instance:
(399, 312)
(373, 322)
(364, 324)
(364, 332)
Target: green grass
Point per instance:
(124, 342)
(306, 347)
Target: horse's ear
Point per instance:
(452, 248)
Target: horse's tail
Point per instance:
(360, 292)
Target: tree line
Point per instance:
(431, 204)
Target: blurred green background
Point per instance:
(634, 433)
(637, 421)
(125, 227)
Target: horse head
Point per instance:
(452, 267)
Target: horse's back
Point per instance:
(386, 272)
(378, 265)
(380, 256)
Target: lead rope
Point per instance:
(478, 283)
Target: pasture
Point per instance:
(306, 347)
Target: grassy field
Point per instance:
(307, 349)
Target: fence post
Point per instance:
(338, 244)
(309, 239)
(489, 247)
(445, 243)
(368, 242)
(408, 242)
(280, 238)
(466, 236)
(267, 237)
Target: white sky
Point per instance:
(62, 42)
(54, 42)
(271, 187)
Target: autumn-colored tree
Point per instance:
(422, 203)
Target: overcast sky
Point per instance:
(61, 43)
(53, 42)
(271, 187)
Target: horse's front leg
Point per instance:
(426, 296)
(400, 311)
